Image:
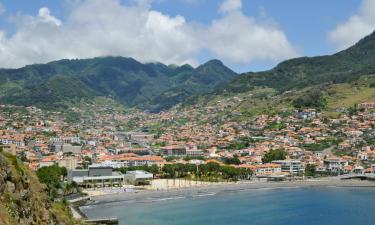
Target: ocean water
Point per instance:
(290, 206)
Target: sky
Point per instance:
(247, 35)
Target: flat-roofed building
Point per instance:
(126, 160)
(96, 177)
(335, 164)
(266, 169)
(138, 177)
(194, 152)
(174, 150)
(70, 163)
(294, 167)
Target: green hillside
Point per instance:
(147, 86)
(190, 83)
(23, 200)
(344, 66)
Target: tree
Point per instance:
(234, 160)
(70, 188)
(277, 126)
(312, 98)
(87, 159)
(154, 169)
(310, 170)
(212, 167)
(278, 154)
(230, 172)
(240, 143)
(51, 176)
(170, 170)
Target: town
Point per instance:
(109, 148)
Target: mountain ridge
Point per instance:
(156, 86)
(343, 66)
(124, 79)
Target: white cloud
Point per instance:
(45, 15)
(99, 28)
(107, 27)
(356, 27)
(230, 6)
(240, 39)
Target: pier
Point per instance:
(370, 176)
(103, 221)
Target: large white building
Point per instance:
(95, 177)
(294, 167)
(138, 177)
(118, 161)
(335, 164)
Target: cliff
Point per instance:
(23, 200)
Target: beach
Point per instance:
(206, 188)
(284, 203)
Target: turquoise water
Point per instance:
(315, 206)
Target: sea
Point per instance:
(287, 206)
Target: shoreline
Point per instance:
(144, 196)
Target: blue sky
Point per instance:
(303, 27)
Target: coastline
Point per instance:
(215, 189)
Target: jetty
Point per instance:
(103, 221)
(364, 176)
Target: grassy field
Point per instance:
(347, 96)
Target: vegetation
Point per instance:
(151, 169)
(210, 172)
(23, 199)
(311, 99)
(345, 66)
(153, 86)
(52, 177)
(317, 146)
(272, 155)
(329, 142)
(310, 170)
(277, 126)
(240, 143)
(233, 160)
(188, 158)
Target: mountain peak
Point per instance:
(215, 62)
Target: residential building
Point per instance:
(294, 167)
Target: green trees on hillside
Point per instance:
(52, 177)
(154, 86)
(277, 126)
(240, 143)
(311, 99)
(232, 160)
(278, 154)
(345, 66)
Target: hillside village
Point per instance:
(107, 138)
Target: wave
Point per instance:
(206, 194)
(169, 198)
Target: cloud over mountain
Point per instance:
(108, 27)
(356, 27)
